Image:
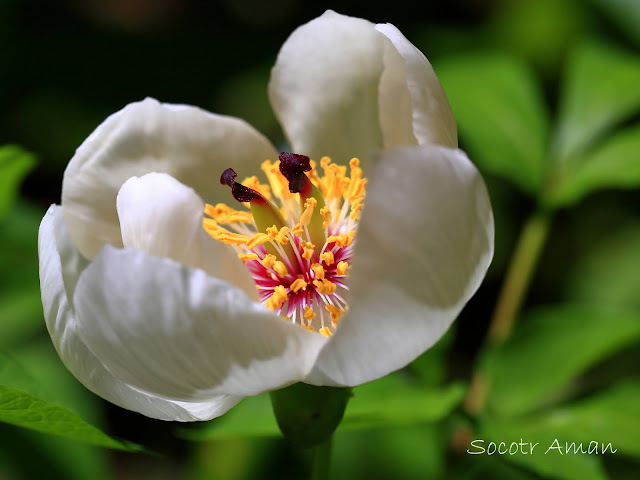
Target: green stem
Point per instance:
(321, 461)
(519, 277)
(516, 284)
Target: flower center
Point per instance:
(298, 249)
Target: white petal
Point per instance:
(60, 266)
(176, 332)
(190, 144)
(324, 87)
(163, 217)
(410, 92)
(424, 244)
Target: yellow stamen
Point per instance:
(341, 269)
(325, 331)
(231, 238)
(307, 248)
(309, 205)
(326, 215)
(278, 297)
(246, 257)
(268, 260)
(325, 287)
(279, 185)
(298, 230)
(336, 313)
(342, 240)
(282, 238)
(309, 314)
(298, 285)
(328, 258)
(318, 270)
(257, 239)
(280, 269)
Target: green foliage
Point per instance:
(390, 401)
(610, 273)
(24, 409)
(626, 13)
(601, 88)
(551, 347)
(15, 163)
(501, 115)
(607, 423)
(504, 124)
(615, 163)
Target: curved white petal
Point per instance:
(324, 87)
(60, 266)
(411, 96)
(425, 242)
(176, 332)
(190, 144)
(163, 217)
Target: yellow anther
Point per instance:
(325, 331)
(254, 183)
(307, 250)
(224, 214)
(298, 230)
(282, 237)
(279, 185)
(325, 287)
(298, 285)
(342, 240)
(280, 268)
(231, 238)
(341, 269)
(309, 314)
(356, 178)
(327, 257)
(247, 257)
(278, 297)
(272, 232)
(356, 207)
(211, 226)
(318, 270)
(326, 215)
(309, 205)
(336, 313)
(257, 239)
(268, 260)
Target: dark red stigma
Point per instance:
(293, 166)
(239, 191)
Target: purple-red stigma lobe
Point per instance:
(293, 166)
(239, 191)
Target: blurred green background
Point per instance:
(547, 98)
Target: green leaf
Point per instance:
(626, 13)
(381, 404)
(545, 462)
(28, 411)
(501, 116)
(610, 273)
(386, 402)
(549, 349)
(601, 88)
(13, 374)
(15, 163)
(605, 424)
(614, 164)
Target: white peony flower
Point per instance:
(178, 315)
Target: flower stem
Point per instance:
(321, 460)
(519, 275)
(516, 284)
